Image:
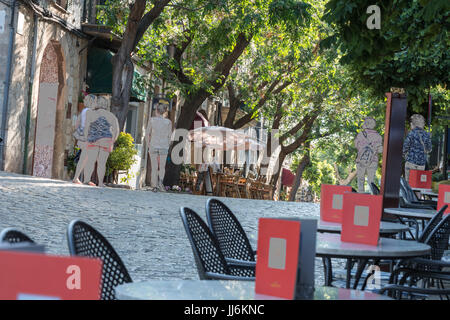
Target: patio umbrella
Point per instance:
(222, 138)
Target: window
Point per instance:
(131, 123)
(62, 3)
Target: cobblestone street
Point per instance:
(144, 227)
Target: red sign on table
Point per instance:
(332, 201)
(278, 254)
(444, 197)
(30, 276)
(361, 220)
(420, 179)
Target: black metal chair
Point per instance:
(429, 269)
(85, 241)
(431, 225)
(210, 261)
(422, 238)
(12, 235)
(233, 241)
(410, 200)
(374, 189)
(397, 291)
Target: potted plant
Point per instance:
(80, 102)
(72, 161)
(121, 158)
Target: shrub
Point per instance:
(438, 176)
(318, 173)
(122, 157)
(71, 164)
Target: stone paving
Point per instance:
(144, 227)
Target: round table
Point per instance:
(421, 190)
(425, 192)
(421, 214)
(430, 194)
(330, 246)
(222, 290)
(386, 228)
(412, 213)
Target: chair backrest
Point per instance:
(232, 238)
(403, 196)
(374, 189)
(85, 241)
(432, 224)
(409, 192)
(12, 235)
(207, 254)
(438, 238)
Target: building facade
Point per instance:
(52, 51)
(45, 69)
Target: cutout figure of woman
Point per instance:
(101, 130)
(158, 135)
(416, 146)
(90, 101)
(369, 144)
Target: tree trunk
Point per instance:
(276, 174)
(286, 150)
(187, 116)
(194, 101)
(123, 68)
(234, 106)
(298, 175)
(341, 181)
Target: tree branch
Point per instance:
(148, 19)
(302, 138)
(224, 66)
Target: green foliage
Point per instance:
(438, 176)
(211, 28)
(409, 51)
(318, 173)
(71, 165)
(122, 157)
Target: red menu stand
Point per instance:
(31, 276)
(331, 202)
(361, 220)
(444, 197)
(420, 179)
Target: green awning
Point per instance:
(99, 75)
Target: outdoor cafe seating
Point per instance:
(85, 240)
(403, 281)
(229, 183)
(222, 251)
(11, 235)
(232, 239)
(209, 259)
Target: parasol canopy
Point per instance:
(221, 138)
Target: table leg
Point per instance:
(328, 271)
(376, 262)
(361, 266)
(412, 236)
(349, 273)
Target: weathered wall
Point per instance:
(4, 41)
(72, 66)
(18, 94)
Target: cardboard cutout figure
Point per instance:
(158, 135)
(101, 130)
(369, 144)
(90, 101)
(416, 146)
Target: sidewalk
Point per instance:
(144, 227)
